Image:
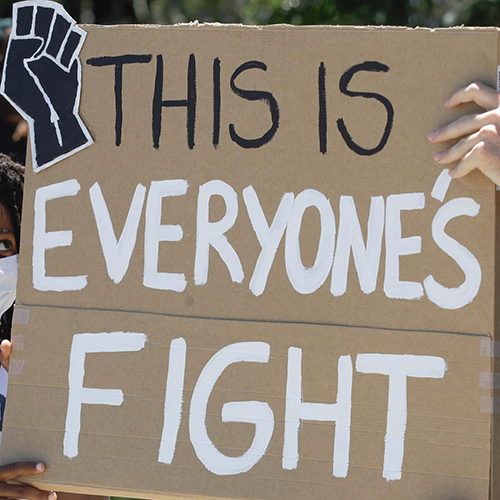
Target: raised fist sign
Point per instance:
(42, 79)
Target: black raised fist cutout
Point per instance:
(42, 79)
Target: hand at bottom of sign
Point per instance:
(12, 471)
(480, 144)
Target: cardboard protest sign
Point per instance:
(256, 282)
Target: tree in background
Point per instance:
(430, 13)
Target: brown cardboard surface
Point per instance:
(291, 162)
(448, 438)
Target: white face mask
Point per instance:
(8, 282)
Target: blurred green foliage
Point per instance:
(432, 13)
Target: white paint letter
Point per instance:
(398, 368)
(117, 253)
(155, 232)
(83, 344)
(269, 237)
(252, 412)
(297, 410)
(366, 258)
(43, 241)
(173, 400)
(454, 298)
(308, 280)
(396, 246)
(212, 233)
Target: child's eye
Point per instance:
(5, 246)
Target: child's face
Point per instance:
(8, 245)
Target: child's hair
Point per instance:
(11, 198)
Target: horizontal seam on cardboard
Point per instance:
(305, 350)
(251, 393)
(272, 478)
(277, 457)
(161, 400)
(381, 409)
(309, 423)
(247, 320)
(232, 448)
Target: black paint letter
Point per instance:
(189, 103)
(216, 76)
(118, 63)
(322, 123)
(255, 95)
(344, 82)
